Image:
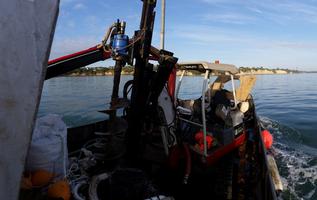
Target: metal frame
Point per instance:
(203, 112)
(179, 84)
(203, 94)
(234, 92)
(203, 66)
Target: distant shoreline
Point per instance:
(128, 70)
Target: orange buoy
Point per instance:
(59, 189)
(267, 139)
(41, 178)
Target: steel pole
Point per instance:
(162, 35)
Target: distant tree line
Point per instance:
(99, 71)
(248, 69)
(95, 71)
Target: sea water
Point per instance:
(286, 105)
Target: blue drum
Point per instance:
(119, 44)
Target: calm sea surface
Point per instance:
(286, 104)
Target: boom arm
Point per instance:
(76, 60)
(83, 58)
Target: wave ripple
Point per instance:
(297, 162)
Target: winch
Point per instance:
(120, 41)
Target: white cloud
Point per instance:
(209, 35)
(63, 2)
(104, 4)
(64, 46)
(217, 1)
(231, 18)
(70, 24)
(79, 6)
(297, 45)
(255, 9)
(242, 48)
(280, 12)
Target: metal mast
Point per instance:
(162, 34)
(140, 81)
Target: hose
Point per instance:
(108, 33)
(126, 89)
(75, 191)
(93, 195)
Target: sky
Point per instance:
(268, 33)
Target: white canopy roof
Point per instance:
(203, 66)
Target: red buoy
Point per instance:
(199, 137)
(267, 139)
